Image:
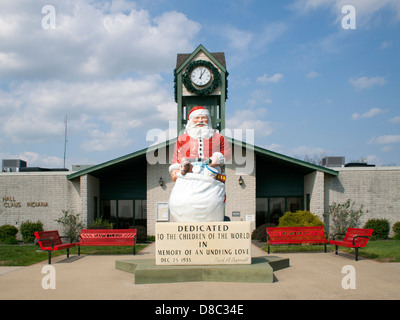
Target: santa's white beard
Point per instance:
(203, 132)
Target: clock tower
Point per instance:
(201, 80)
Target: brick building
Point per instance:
(134, 189)
(131, 191)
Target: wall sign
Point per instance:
(162, 211)
(10, 202)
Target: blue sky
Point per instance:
(304, 84)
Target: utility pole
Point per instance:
(65, 138)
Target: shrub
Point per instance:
(260, 233)
(141, 233)
(71, 225)
(28, 229)
(300, 219)
(100, 224)
(396, 230)
(381, 228)
(344, 216)
(10, 240)
(7, 231)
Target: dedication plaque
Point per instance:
(203, 243)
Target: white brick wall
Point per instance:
(314, 185)
(93, 190)
(377, 188)
(51, 188)
(156, 193)
(241, 198)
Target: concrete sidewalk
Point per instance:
(310, 276)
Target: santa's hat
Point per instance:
(197, 111)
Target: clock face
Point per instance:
(200, 76)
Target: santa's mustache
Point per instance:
(200, 123)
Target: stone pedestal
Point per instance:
(203, 243)
(203, 251)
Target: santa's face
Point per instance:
(200, 121)
(199, 127)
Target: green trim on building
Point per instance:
(257, 150)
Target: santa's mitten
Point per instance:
(217, 159)
(186, 167)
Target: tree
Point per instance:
(344, 216)
(71, 225)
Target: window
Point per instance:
(270, 209)
(276, 209)
(141, 213)
(123, 214)
(261, 211)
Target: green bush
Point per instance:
(260, 233)
(396, 230)
(141, 234)
(300, 219)
(28, 229)
(71, 225)
(344, 215)
(7, 231)
(100, 223)
(10, 240)
(381, 228)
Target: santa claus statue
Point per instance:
(199, 191)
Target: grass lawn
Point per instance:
(380, 250)
(25, 255)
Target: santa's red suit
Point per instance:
(190, 148)
(198, 148)
(199, 195)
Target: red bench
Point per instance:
(51, 241)
(292, 235)
(354, 238)
(107, 237)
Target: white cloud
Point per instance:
(238, 39)
(395, 119)
(275, 147)
(386, 139)
(272, 79)
(369, 114)
(367, 83)
(365, 9)
(34, 159)
(258, 98)
(385, 44)
(312, 75)
(250, 119)
(303, 152)
(90, 40)
(246, 44)
(104, 112)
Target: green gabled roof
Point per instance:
(282, 157)
(215, 58)
(256, 149)
(119, 160)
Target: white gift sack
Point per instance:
(197, 197)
